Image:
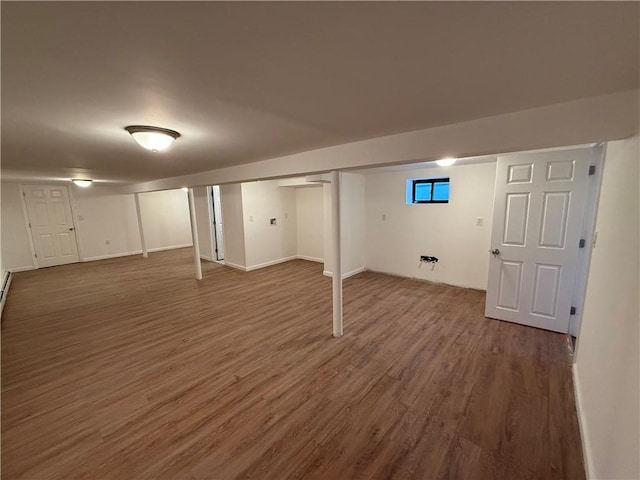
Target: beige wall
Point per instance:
(447, 231)
(310, 219)
(607, 371)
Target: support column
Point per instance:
(194, 235)
(337, 257)
(143, 243)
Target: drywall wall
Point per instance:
(16, 254)
(352, 224)
(265, 243)
(106, 223)
(310, 223)
(165, 218)
(231, 200)
(202, 198)
(397, 233)
(607, 370)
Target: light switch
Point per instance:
(479, 221)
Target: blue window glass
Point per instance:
(428, 190)
(423, 192)
(441, 191)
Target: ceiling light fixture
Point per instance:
(446, 162)
(155, 139)
(82, 182)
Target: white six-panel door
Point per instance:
(51, 224)
(537, 222)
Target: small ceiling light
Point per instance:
(446, 162)
(155, 139)
(185, 189)
(82, 182)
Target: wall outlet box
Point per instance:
(273, 221)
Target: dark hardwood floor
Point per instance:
(131, 369)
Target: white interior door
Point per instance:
(217, 222)
(537, 222)
(51, 224)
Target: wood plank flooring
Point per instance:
(131, 369)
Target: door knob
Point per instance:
(71, 229)
(495, 252)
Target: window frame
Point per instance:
(432, 181)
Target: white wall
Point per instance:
(204, 221)
(352, 225)
(607, 369)
(16, 254)
(165, 218)
(447, 231)
(310, 222)
(265, 243)
(231, 200)
(106, 223)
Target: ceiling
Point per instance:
(245, 81)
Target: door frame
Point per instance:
(588, 234)
(25, 215)
(213, 222)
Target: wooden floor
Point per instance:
(131, 369)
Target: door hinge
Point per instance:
(572, 311)
(592, 169)
(29, 224)
(35, 255)
(581, 243)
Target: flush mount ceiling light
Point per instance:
(155, 139)
(82, 182)
(446, 162)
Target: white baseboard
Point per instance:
(272, 262)
(310, 259)
(111, 255)
(134, 252)
(22, 269)
(236, 266)
(206, 257)
(345, 275)
(4, 290)
(584, 431)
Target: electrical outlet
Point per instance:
(251, 218)
(273, 221)
(107, 242)
(479, 221)
(384, 217)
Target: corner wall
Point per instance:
(352, 225)
(266, 244)
(398, 234)
(607, 371)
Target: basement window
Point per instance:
(427, 190)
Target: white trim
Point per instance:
(327, 273)
(582, 424)
(25, 213)
(272, 262)
(237, 267)
(206, 257)
(170, 247)
(4, 289)
(133, 252)
(26, 268)
(112, 255)
(310, 259)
